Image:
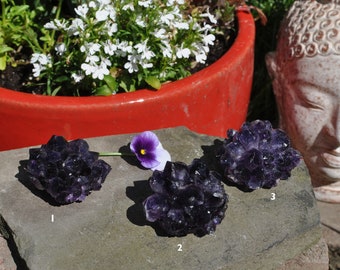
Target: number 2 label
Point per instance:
(179, 247)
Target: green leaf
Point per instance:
(61, 79)
(111, 82)
(19, 10)
(124, 86)
(55, 91)
(103, 90)
(5, 48)
(3, 62)
(153, 82)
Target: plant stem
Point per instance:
(109, 154)
(57, 15)
(3, 11)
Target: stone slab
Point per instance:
(315, 258)
(261, 230)
(330, 217)
(6, 259)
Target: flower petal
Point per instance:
(149, 151)
(162, 156)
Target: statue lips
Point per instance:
(332, 159)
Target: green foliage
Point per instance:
(140, 44)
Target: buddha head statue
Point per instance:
(305, 70)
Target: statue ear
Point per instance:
(271, 64)
(274, 72)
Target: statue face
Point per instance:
(308, 96)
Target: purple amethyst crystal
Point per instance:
(186, 199)
(257, 156)
(67, 171)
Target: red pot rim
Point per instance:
(246, 30)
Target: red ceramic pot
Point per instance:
(209, 102)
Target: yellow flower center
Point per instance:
(143, 152)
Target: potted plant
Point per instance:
(209, 101)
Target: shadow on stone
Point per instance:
(130, 158)
(211, 156)
(135, 213)
(18, 260)
(24, 179)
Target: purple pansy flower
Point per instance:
(149, 151)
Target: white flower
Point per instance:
(37, 68)
(181, 25)
(50, 25)
(88, 68)
(77, 26)
(56, 25)
(160, 33)
(146, 3)
(77, 77)
(90, 47)
(102, 69)
(140, 21)
(210, 16)
(92, 4)
(183, 52)
(111, 28)
(105, 62)
(132, 66)
(200, 52)
(166, 50)
(171, 3)
(92, 59)
(104, 2)
(167, 18)
(123, 48)
(40, 58)
(146, 64)
(112, 12)
(109, 47)
(143, 49)
(200, 57)
(101, 15)
(40, 62)
(129, 6)
(60, 48)
(209, 39)
(82, 10)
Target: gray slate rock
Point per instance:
(108, 230)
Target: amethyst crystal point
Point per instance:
(257, 156)
(68, 171)
(186, 199)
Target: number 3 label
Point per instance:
(273, 197)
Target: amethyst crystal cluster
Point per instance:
(68, 171)
(257, 156)
(186, 199)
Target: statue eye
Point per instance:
(311, 98)
(311, 104)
